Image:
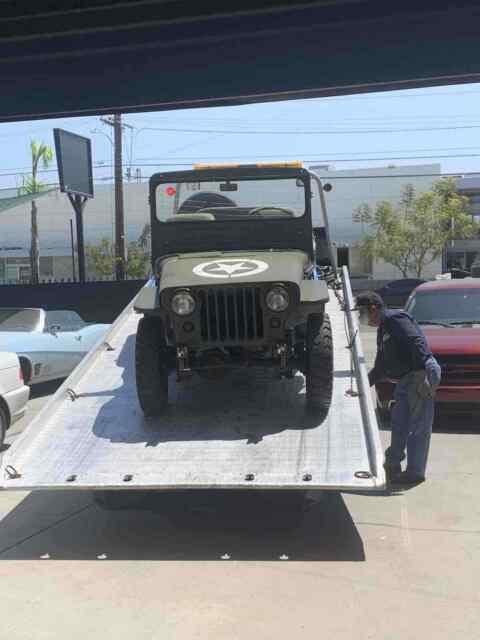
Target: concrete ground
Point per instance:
(387, 567)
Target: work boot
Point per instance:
(408, 479)
(392, 469)
(392, 472)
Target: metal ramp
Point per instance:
(249, 430)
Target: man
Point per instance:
(403, 354)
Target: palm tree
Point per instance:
(41, 153)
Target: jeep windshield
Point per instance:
(230, 199)
(455, 307)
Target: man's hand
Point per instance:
(434, 373)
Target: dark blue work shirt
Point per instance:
(401, 346)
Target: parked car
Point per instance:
(449, 313)
(458, 274)
(49, 344)
(14, 393)
(397, 292)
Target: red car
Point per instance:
(449, 313)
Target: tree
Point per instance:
(137, 261)
(41, 154)
(413, 234)
(102, 258)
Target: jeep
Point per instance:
(239, 279)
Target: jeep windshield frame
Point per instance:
(239, 234)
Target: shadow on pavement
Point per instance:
(69, 525)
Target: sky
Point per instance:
(419, 126)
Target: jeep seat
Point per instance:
(191, 217)
(272, 212)
(226, 213)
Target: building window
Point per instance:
(470, 258)
(24, 274)
(455, 260)
(46, 267)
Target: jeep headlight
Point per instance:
(183, 303)
(277, 299)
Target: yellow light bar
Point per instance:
(296, 164)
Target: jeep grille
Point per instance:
(231, 314)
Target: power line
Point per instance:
(291, 120)
(310, 155)
(328, 176)
(313, 160)
(310, 131)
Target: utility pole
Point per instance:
(116, 123)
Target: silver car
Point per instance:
(14, 393)
(49, 344)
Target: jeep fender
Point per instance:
(147, 298)
(313, 296)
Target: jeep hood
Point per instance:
(230, 268)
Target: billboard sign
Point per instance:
(74, 160)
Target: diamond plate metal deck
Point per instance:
(214, 435)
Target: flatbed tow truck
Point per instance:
(92, 433)
(247, 430)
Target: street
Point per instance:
(398, 566)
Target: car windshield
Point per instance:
(66, 320)
(457, 306)
(230, 200)
(19, 319)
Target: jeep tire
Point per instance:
(151, 366)
(319, 363)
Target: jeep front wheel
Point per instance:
(319, 363)
(151, 367)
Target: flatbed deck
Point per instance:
(248, 430)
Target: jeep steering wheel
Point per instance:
(257, 210)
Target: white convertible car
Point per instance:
(49, 344)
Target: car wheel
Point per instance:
(4, 424)
(151, 367)
(319, 361)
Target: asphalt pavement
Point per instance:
(387, 567)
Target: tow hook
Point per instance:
(183, 364)
(281, 352)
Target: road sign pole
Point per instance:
(78, 204)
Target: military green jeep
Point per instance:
(239, 279)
